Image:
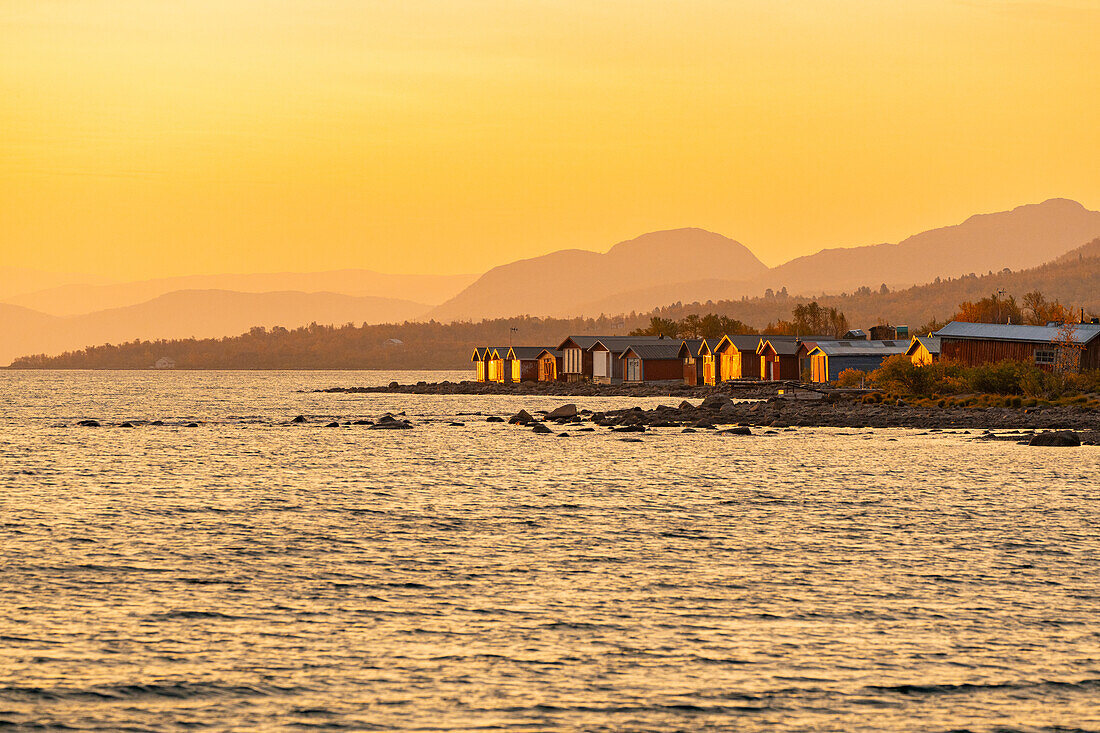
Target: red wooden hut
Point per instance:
(652, 363)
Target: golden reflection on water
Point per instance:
(254, 574)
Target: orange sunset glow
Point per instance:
(144, 139)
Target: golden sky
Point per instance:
(141, 138)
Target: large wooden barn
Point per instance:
(974, 344)
(658, 362)
(829, 358)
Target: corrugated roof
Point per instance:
(930, 343)
(691, 346)
(1083, 332)
(524, 353)
(617, 344)
(667, 350)
(744, 342)
(861, 348)
(782, 347)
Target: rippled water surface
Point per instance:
(250, 574)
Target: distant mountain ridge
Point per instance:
(1023, 237)
(561, 282)
(190, 313)
(75, 298)
(654, 270)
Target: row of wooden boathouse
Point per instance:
(769, 357)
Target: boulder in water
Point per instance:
(494, 418)
(1056, 439)
(521, 418)
(89, 423)
(565, 412)
(540, 429)
(299, 419)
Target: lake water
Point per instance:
(249, 574)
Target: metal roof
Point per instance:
(930, 343)
(691, 345)
(618, 344)
(743, 342)
(668, 350)
(587, 342)
(1083, 332)
(859, 347)
(527, 353)
(781, 346)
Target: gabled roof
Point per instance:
(497, 352)
(739, 342)
(667, 350)
(479, 354)
(552, 352)
(930, 343)
(707, 346)
(578, 342)
(781, 346)
(1083, 332)
(860, 347)
(855, 333)
(525, 353)
(689, 347)
(618, 344)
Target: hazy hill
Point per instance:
(574, 282)
(19, 280)
(1023, 237)
(562, 282)
(1073, 280)
(190, 313)
(75, 298)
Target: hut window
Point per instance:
(1044, 356)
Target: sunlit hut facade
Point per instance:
(778, 359)
(498, 365)
(829, 358)
(924, 350)
(652, 363)
(737, 358)
(478, 358)
(691, 361)
(524, 361)
(711, 367)
(550, 365)
(974, 344)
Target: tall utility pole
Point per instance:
(511, 330)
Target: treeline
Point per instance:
(430, 345)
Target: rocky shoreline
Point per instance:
(737, 390)
(796, 407)
(726, 417)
